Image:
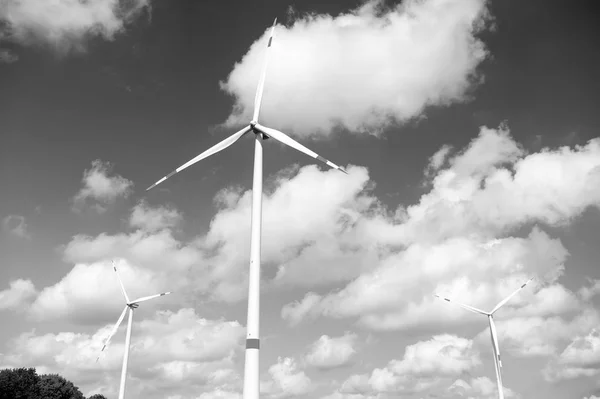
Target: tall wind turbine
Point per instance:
(129, 305)
(494, 335)
(251, 374)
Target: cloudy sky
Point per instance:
(469, 132)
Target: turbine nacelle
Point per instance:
(256, 131)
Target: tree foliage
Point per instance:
(53, 386)
(25, 383)
(21, 383)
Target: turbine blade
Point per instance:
(114, 330)
(120, 283)
(212, 150)
(146, 298)
(470, 308)
(285, 139)
(503, 302)
(261, 82)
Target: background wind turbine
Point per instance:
(494, 335)
(251, 374)
(129, 305)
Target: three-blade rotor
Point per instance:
(129, 305)
(255, 127)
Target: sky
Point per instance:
(469, 130)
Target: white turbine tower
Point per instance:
(129, 305)
(494, 335)
(251, 374)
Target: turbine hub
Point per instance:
(133, 305)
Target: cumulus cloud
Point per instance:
(18, 295)
(285, 380)
(437, 160)
(168, 263)
(153, 250)
(371, 66)
(398, 294)
(148, 218)
(332, 352)
(90, 293)
(581, 358)
(66, 24)
(429, 365)
(100, 188)
(310, 218)
(166, 349)
(587, 293)
(480, 388)
(16, 225)
(457, 239)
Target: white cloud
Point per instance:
(371, 66)
(171, 265)
(18, 296)
(426, 366)
(101, 188)
(152, 250)
(90, 293)
(480, 388)
(477, 195)
(186, 337)
(297, 311)
(286, 380)
(149, 218)
(15, 225)
(437, 160)
(220, 394)
(310, 218)
(166, 349)
(540, 336)
(587, 293)
(66, 24)
(332, 352)
(581, 358)
(398, 294)
(457, 240)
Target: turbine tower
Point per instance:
(129, 305)
(251, 368)
(494, 335)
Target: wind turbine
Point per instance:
(251, 374)
(129, 305)
(494, 335)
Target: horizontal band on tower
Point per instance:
(252, 343)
